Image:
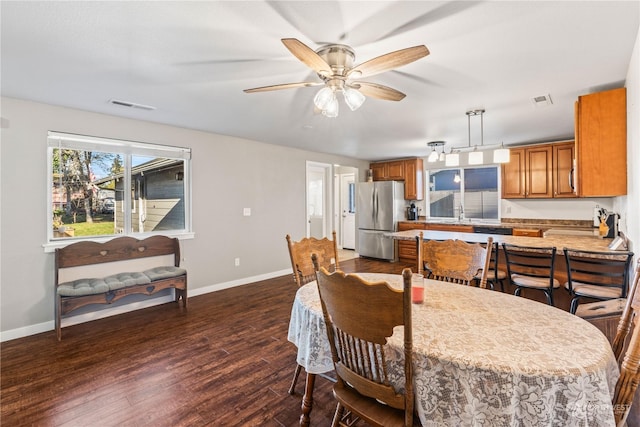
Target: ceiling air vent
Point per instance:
(542, 100)
(131, 105)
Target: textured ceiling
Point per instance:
(192, 60)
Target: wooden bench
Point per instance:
(135, 267)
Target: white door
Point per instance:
(318, 199)
(348, 210)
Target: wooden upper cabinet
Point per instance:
(601, 144)
(539, 172)
(409, 170)
(380, 171)
(388, 171)
(396, 170)
(413, 182)
(513, 175)
(564, 176)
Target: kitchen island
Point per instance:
(557, 241)
(561, 296)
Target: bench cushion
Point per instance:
(165, 272)
(117, 281)
(123, 280)
(82, 287)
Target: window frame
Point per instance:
(462, 170)
(127, 150)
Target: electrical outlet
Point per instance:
(237, 262)
(246, 211)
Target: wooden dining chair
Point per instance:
(627, 316)
(531, 267)
(454, 261)
(303, 270)
(360, 316)
(627, 384)
(596, 275)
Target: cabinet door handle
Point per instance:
(571, 179)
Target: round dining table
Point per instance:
(481, 358)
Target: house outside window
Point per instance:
(89, 178)
(469, 193)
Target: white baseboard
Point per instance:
(86, 317)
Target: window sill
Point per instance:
(61, 243)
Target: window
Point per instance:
(90, 177)
(470, 193)
(352, 197)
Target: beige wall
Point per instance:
(228, 174)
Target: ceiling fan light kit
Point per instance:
(353, 98)
(333, 64)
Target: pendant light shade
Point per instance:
(501, 155)
(452, 159)
(476, 157)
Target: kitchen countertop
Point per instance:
(558, 241)
(557, 227)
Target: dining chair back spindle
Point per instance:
(627, 384)
(602, 276)
(454, 261)
(303, 269)
(360, 316)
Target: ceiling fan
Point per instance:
(334, 65)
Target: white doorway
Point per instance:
(319, 206)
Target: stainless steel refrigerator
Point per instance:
(380, 205)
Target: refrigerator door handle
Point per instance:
(377, 205)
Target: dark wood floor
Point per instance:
(224, 362)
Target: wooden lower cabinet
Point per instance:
(407, 249)
(528, 232)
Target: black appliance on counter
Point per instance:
(412, 212)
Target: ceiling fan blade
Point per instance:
(375, 90)
(308, 56)
(388, 61)
(282, 86)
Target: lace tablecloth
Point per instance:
(484, 358)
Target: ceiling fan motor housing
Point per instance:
(339, 56)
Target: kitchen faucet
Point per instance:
(460, 213)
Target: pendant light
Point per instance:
(501, 155)
(476, 157)
(433, 156)
(452, 158)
